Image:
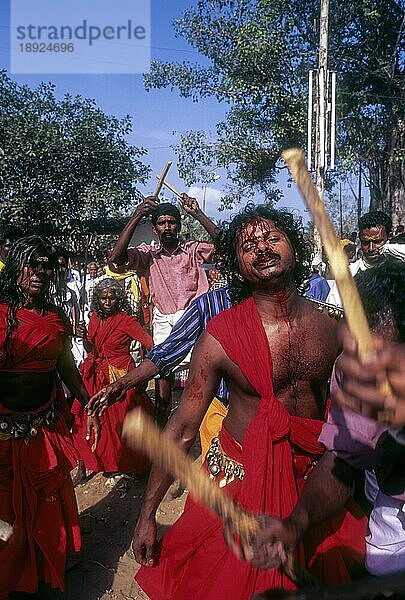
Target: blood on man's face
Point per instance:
(263, 251)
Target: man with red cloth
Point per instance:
(276, 352)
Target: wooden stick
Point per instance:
(162, 179)
(171, 188)
(139, 431)
(354, 312)
(6, 531)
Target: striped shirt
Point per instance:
(185, 333)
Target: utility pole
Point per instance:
(322, 106)
(321, 87)
(359, 199)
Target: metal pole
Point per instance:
(333, 123)
(359, 202)
(309, 126)
(320, 164)
(341, 211)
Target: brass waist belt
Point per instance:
(218, 462)
(26, 426)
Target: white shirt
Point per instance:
(334, 296)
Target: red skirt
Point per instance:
(111, 455)
(37, 498)
(196, 563)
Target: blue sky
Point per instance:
(158, 116)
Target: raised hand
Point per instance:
(147, 206)
(362, 376)
(190, 205)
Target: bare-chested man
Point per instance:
(276, 352)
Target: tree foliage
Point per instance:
(258, 53)
(65, 162)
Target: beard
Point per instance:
(168, 236)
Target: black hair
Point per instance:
(225, 246)
(11, 292)
(166, 208)
(10, 232)
(382, 291)
(62, 251)
(110, 284)
(375, 218)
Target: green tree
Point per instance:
(65, 162)
(257, 55)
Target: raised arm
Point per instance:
(191, 206)
(119, 256)
(182, 428)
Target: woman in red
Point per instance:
(36, 450)
(111, 331)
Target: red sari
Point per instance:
(36, 492)
(195, 561)
(111, 340)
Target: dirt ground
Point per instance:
(105, 569)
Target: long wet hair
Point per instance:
(12, 294)
(226, 242)
(109, 284)
(382, 291)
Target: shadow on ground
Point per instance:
(107, 528)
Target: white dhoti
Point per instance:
(162, 327)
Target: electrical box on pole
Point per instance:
(322, 105)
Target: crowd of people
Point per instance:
(293, 424)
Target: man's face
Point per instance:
(371, 241)
(92, 269)
(264, 252)
(166, 229)
(5, 249)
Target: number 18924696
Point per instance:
(46, 47)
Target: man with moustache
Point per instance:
(275, 352)
(374, 232)
(175, 276)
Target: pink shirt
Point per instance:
(176, 278)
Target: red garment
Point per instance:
(36, 492)
(111, 340)
(36, 343)
(195, 561)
